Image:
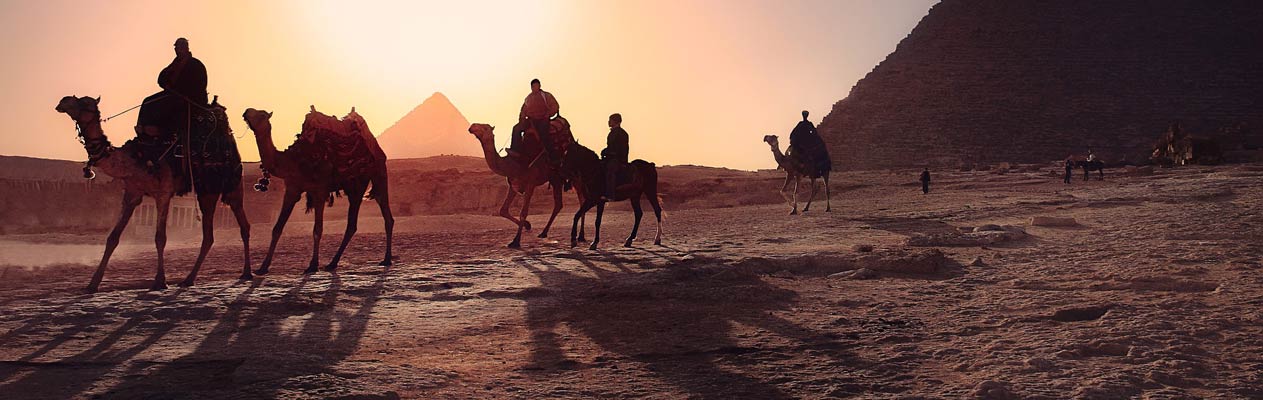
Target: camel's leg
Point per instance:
(206, 202)
(526, 206)
(657, 213)
(795, 211)
(504, 210)
(316, 231)
(577, 225)
(382, 195)
(638, 212)
(789, 178)
(596, 238)
(355, 198)
(1101, 173)
(236, 203)
(556, 210)
(287, 208)
(163, 204)
(828, 198)
(130, 201)
(813, 195)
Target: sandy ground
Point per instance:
(1155, 293)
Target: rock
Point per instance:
(988, 227)
(977, 238)
(993, 390)
(862, 273)
(863, 248)
(908, 262)
(977, 262)
(1039, 364)
(782, 274)
(1053, 221)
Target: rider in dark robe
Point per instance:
(807, 144)
(183, 85)
(615, 154)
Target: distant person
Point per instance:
(1091, 155)
(615, 154)
(1069, 170)
(538, 109)
(925, 181)
(182, 82)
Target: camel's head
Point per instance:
(258, 120)
(772, 140)
(80, 109)
(482, 131)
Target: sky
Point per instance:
(697, 81)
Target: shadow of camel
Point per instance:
(250, 352)
(679, 324)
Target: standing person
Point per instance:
(184, 80)
(1069, 170)
(538, 109)
(615, 154)
(925, 181)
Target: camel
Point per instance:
(586, 172)
(795, 170)
(315, 166)
(522, 178)
(1089, 166)
(211, 182)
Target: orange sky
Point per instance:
(697, 82)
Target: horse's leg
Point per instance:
(657, 213)
(526, 205)
(577, 224)
(556, 210)
(236, 203)
(583, 222)
(638, 212)
(205, 202)
(382, 195)
(316, 231)
(163, 204)
(355, 197)
(130, 201)
(813, 195)
(287, 208)
(596, 238)
(828, 198)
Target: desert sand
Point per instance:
(1152, 292)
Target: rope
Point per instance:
(188, 160)
(107, 119)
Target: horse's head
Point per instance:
(772, 140)
(482, 131)
(80, 109)
(258, 120)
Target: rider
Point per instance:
(615, 154)
(538, 109)
(806, 143)
(1091, 155)
(182, 82)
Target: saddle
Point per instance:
(526, 149)
(211, 158)
(338, 149)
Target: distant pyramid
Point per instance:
(433, 128)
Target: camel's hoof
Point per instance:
(574, 243)
(627, 243)
(543, 235)
(795, 212)
(526, 226)
(515, 245)
(91, 289)
(311, 269)
(828, 210)
(657, 243)
(186, 283)
(261, 271)
(331, 267)
(583, 239)
(245, 276)
(158, 285)
(386, 263)
(592, 247)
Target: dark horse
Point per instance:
(586, 172)
(1089, 166)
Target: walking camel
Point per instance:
(795, 169)
(329, 156)
(212, 161)
(524, 177)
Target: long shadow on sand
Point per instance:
(680, 324)
(250, 352)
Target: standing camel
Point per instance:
(320, 163)
(523, 178)
(587, 173)
(796, 169)
(216, 177)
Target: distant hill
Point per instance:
(435, 127)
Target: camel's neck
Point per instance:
(776, 153)
(267, 151)
(492, 157)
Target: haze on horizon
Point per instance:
(697, 81)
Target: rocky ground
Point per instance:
(1153, 291)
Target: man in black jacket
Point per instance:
(615, 153)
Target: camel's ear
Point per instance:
(269, 114)
(98, 99)
(493, 127)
